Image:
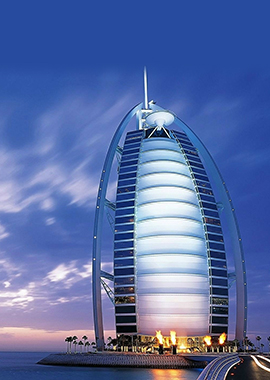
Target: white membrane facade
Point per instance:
(172, 282)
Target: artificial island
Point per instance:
(170, 282)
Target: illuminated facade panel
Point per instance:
(161, 242)
(166, 253)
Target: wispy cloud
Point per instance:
(64, 158)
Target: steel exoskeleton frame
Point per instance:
(222, 192)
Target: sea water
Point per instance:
(22, 366)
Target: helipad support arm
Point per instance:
(96, 267)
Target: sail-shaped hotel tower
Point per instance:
(170, 266)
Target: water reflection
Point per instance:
(175, 374)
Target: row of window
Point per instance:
(183, 139)
(200, 176)
(208, 198)
(124, 299)
(125, 309)
(219, 291)
(126, 319)
(127, 176)
(180, 135)
(208, 205)
(127, 157)
(217, 246)
(124, 280)
(219, 320)
(126, 192)
(192, 159)
(219, 329)
(127, 182)
(124, 236)
(219, 310)
(198, 170)
(128, 219)
(218, 272)
(208, 212)
(188, 148)
(204, 185)
(203, 190)
(126, 329)
(215, 222)
(219, 264)
(124, 262)
(191, 152)
(124, 253)
(124, 228)
(125, 212)
(128, 169)
(214, 229)
(123, 271)
(219, 301)
(124, 203)
(125, 196)
(219, 281)
(130, 138)
(135, 132)
(124, 290)
(131, 146)
(125, 189)
(218, 238)
(123, 244)
(127, 152)
(133, 140)
(197, 164)
(186, 141)
(217, 254)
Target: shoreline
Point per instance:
(113, 359)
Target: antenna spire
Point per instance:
(145, 89)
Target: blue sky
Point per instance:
(68, 76)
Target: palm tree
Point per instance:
(69, 340)
(93, 344)
(246, 341)
(236, 343)
(75, 344)
(109, 342)
(87, 344)
(84, 338)
(80, 344)
(73, 338)
(269, 342)
(258, 338)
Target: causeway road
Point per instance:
(250, 369)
